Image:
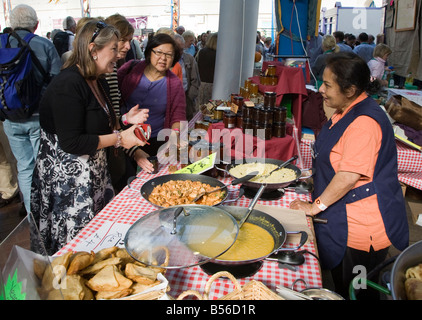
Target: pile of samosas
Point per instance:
(110, 273)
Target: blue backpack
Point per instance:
(20, 93)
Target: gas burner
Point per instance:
(275, 194)
(289, 257)
(237, 270)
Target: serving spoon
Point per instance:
(233, 183)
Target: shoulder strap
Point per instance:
(25, 41)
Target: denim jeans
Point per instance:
(24, 140)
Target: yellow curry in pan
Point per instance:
(252, 242)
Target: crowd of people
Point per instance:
(105, 84)
(375, 54)
(78, 148)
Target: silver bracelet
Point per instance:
(119, 138)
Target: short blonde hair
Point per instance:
(381, 50)
(329, 43)
(212, 41)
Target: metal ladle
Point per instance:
(233, 183)
(261, 190)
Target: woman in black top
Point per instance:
(206, 66)
(71, 183)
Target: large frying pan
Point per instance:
(270, 186)
(148, 186)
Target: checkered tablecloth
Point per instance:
(409, 162)
(128, 206)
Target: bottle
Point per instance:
(391, 81)
(409, 79)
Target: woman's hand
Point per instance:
(136, 115)
(129, 138)
(141, 158)
(304, 206)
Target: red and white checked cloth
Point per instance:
(128, 206)
(409, 162)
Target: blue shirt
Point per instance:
(365, 51)
(152, 96)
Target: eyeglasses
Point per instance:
(161, 54)
(100, 25)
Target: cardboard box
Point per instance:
(416, 209)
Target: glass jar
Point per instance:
(248, 83)
(229, 120)
(269, 99)
(218, 114)
(253, 93)
(266, 115)
(255, 112)
(239, 120)
(239, 102)
(280, 114)
(247, 112)
(272, 80)
(279, 129)
(271, 70)
(255, 126)
(247, 124)
(268, 130)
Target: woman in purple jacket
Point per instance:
(152, 85)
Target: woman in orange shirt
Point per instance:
(356, 185)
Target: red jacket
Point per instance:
(176, 101)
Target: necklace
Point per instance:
(104, 101)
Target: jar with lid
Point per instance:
(256, 112)
(255, 126)
(279, 129)
(247, 111)
(272, 80)
(253, 93)
(247, 124)
(271, 70)
(229, 119)
(218, 114)
(269, 99)
(266, 115)
(268, 130)
(248, 83)
(239, 102)
(239, 120)
(280, 114)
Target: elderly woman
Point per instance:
(328, 46)
(356, 185)
(152, 85)
(71, 183)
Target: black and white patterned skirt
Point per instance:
(67, 192)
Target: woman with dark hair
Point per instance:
(355, 184)
(152, 85)
(71, 183)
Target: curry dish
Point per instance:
(179, 192)
(279, 176)
(252, 242)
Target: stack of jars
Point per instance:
(266, 116)
(269, 78)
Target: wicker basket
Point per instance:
(253, 290)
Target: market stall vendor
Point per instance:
(356, 185)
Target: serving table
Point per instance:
(108, 229)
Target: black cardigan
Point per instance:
(70, 110)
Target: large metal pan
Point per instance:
(270, 186)
(148, 186)
(267, 222)
(410, 257)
